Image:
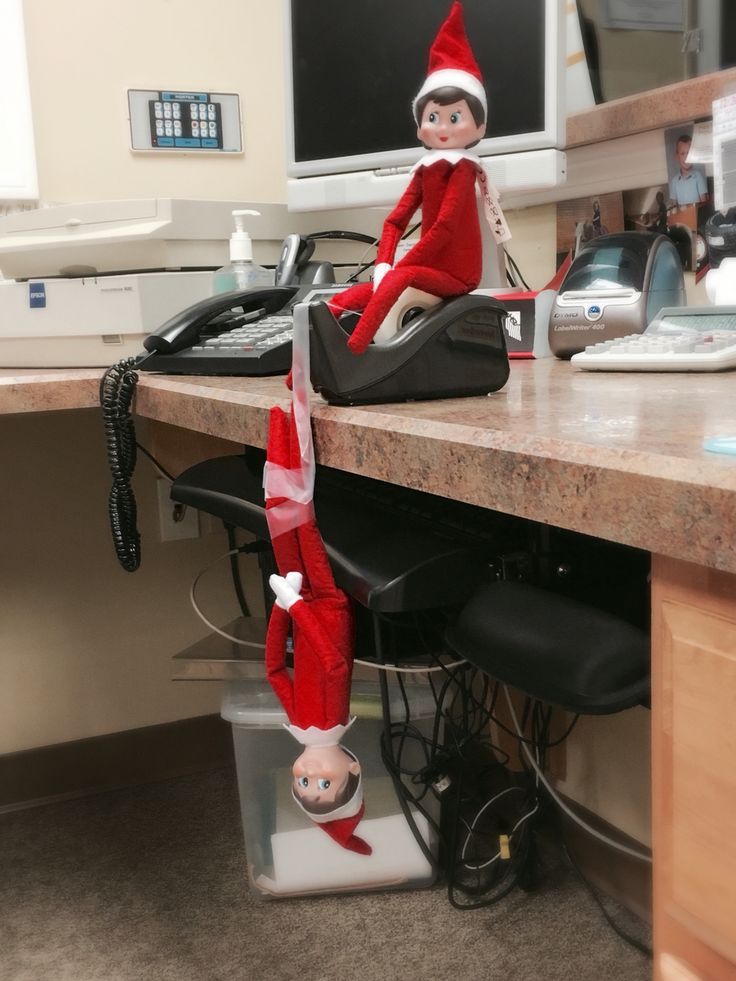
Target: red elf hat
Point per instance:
(342, 830)
(452, 62)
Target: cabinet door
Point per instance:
(694, 771)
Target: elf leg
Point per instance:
(394, 283)
(354, 299)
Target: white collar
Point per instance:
(319, 737)
(452, 156)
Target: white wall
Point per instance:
(82, 58)
(85, 647)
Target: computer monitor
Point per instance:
(353, 69)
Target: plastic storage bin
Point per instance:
(287, 854)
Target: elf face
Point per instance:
(450, 127)
(321, 774)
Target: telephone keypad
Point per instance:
(266, 333)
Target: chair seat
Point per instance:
(554, 648)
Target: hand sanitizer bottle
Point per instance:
(241, 273)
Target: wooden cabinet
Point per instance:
(694, 771)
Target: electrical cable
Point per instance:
(368, 265)
(500, 879)
(395, 669)
(164, 473)
(401, 793)
(642, 856)
(338, 234)
(641, 947)
(235, 571)
(479, 814)
(192, 597)
(517, 271)
(441, 765)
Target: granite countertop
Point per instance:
(618, 455)
(48, 389)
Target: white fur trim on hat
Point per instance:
(455, 78)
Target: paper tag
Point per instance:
(492, 209)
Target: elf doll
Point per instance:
(315, 694)
(450, 112)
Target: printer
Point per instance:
(85, 283)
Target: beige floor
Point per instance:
(148, 884)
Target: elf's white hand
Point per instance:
(287, 589)
(379, 272)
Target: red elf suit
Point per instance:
(447, 260)
(316, 696)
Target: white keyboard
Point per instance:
(677, 340)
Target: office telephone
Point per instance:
(245, 332)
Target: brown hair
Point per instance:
(448, 94)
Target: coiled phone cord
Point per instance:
(116, 395)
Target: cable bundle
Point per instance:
(486, 830)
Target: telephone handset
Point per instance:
(296, 251)
(188, 326)
(236, 333)
(296, 266)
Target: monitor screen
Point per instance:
(354, 69)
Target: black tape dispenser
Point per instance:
(454, 349)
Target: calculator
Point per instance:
(678, 339)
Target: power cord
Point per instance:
(235, 571)
(641, 947)
(485, 835)
(513, 272)
(364, 267)
(633, 852)
(232, 554)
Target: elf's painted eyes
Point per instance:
(433, 117)
(302, 782)
(455, 117)
(324, 784)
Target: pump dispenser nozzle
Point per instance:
(241, 246)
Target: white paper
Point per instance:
(308, 860)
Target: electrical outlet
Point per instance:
(175, 521)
